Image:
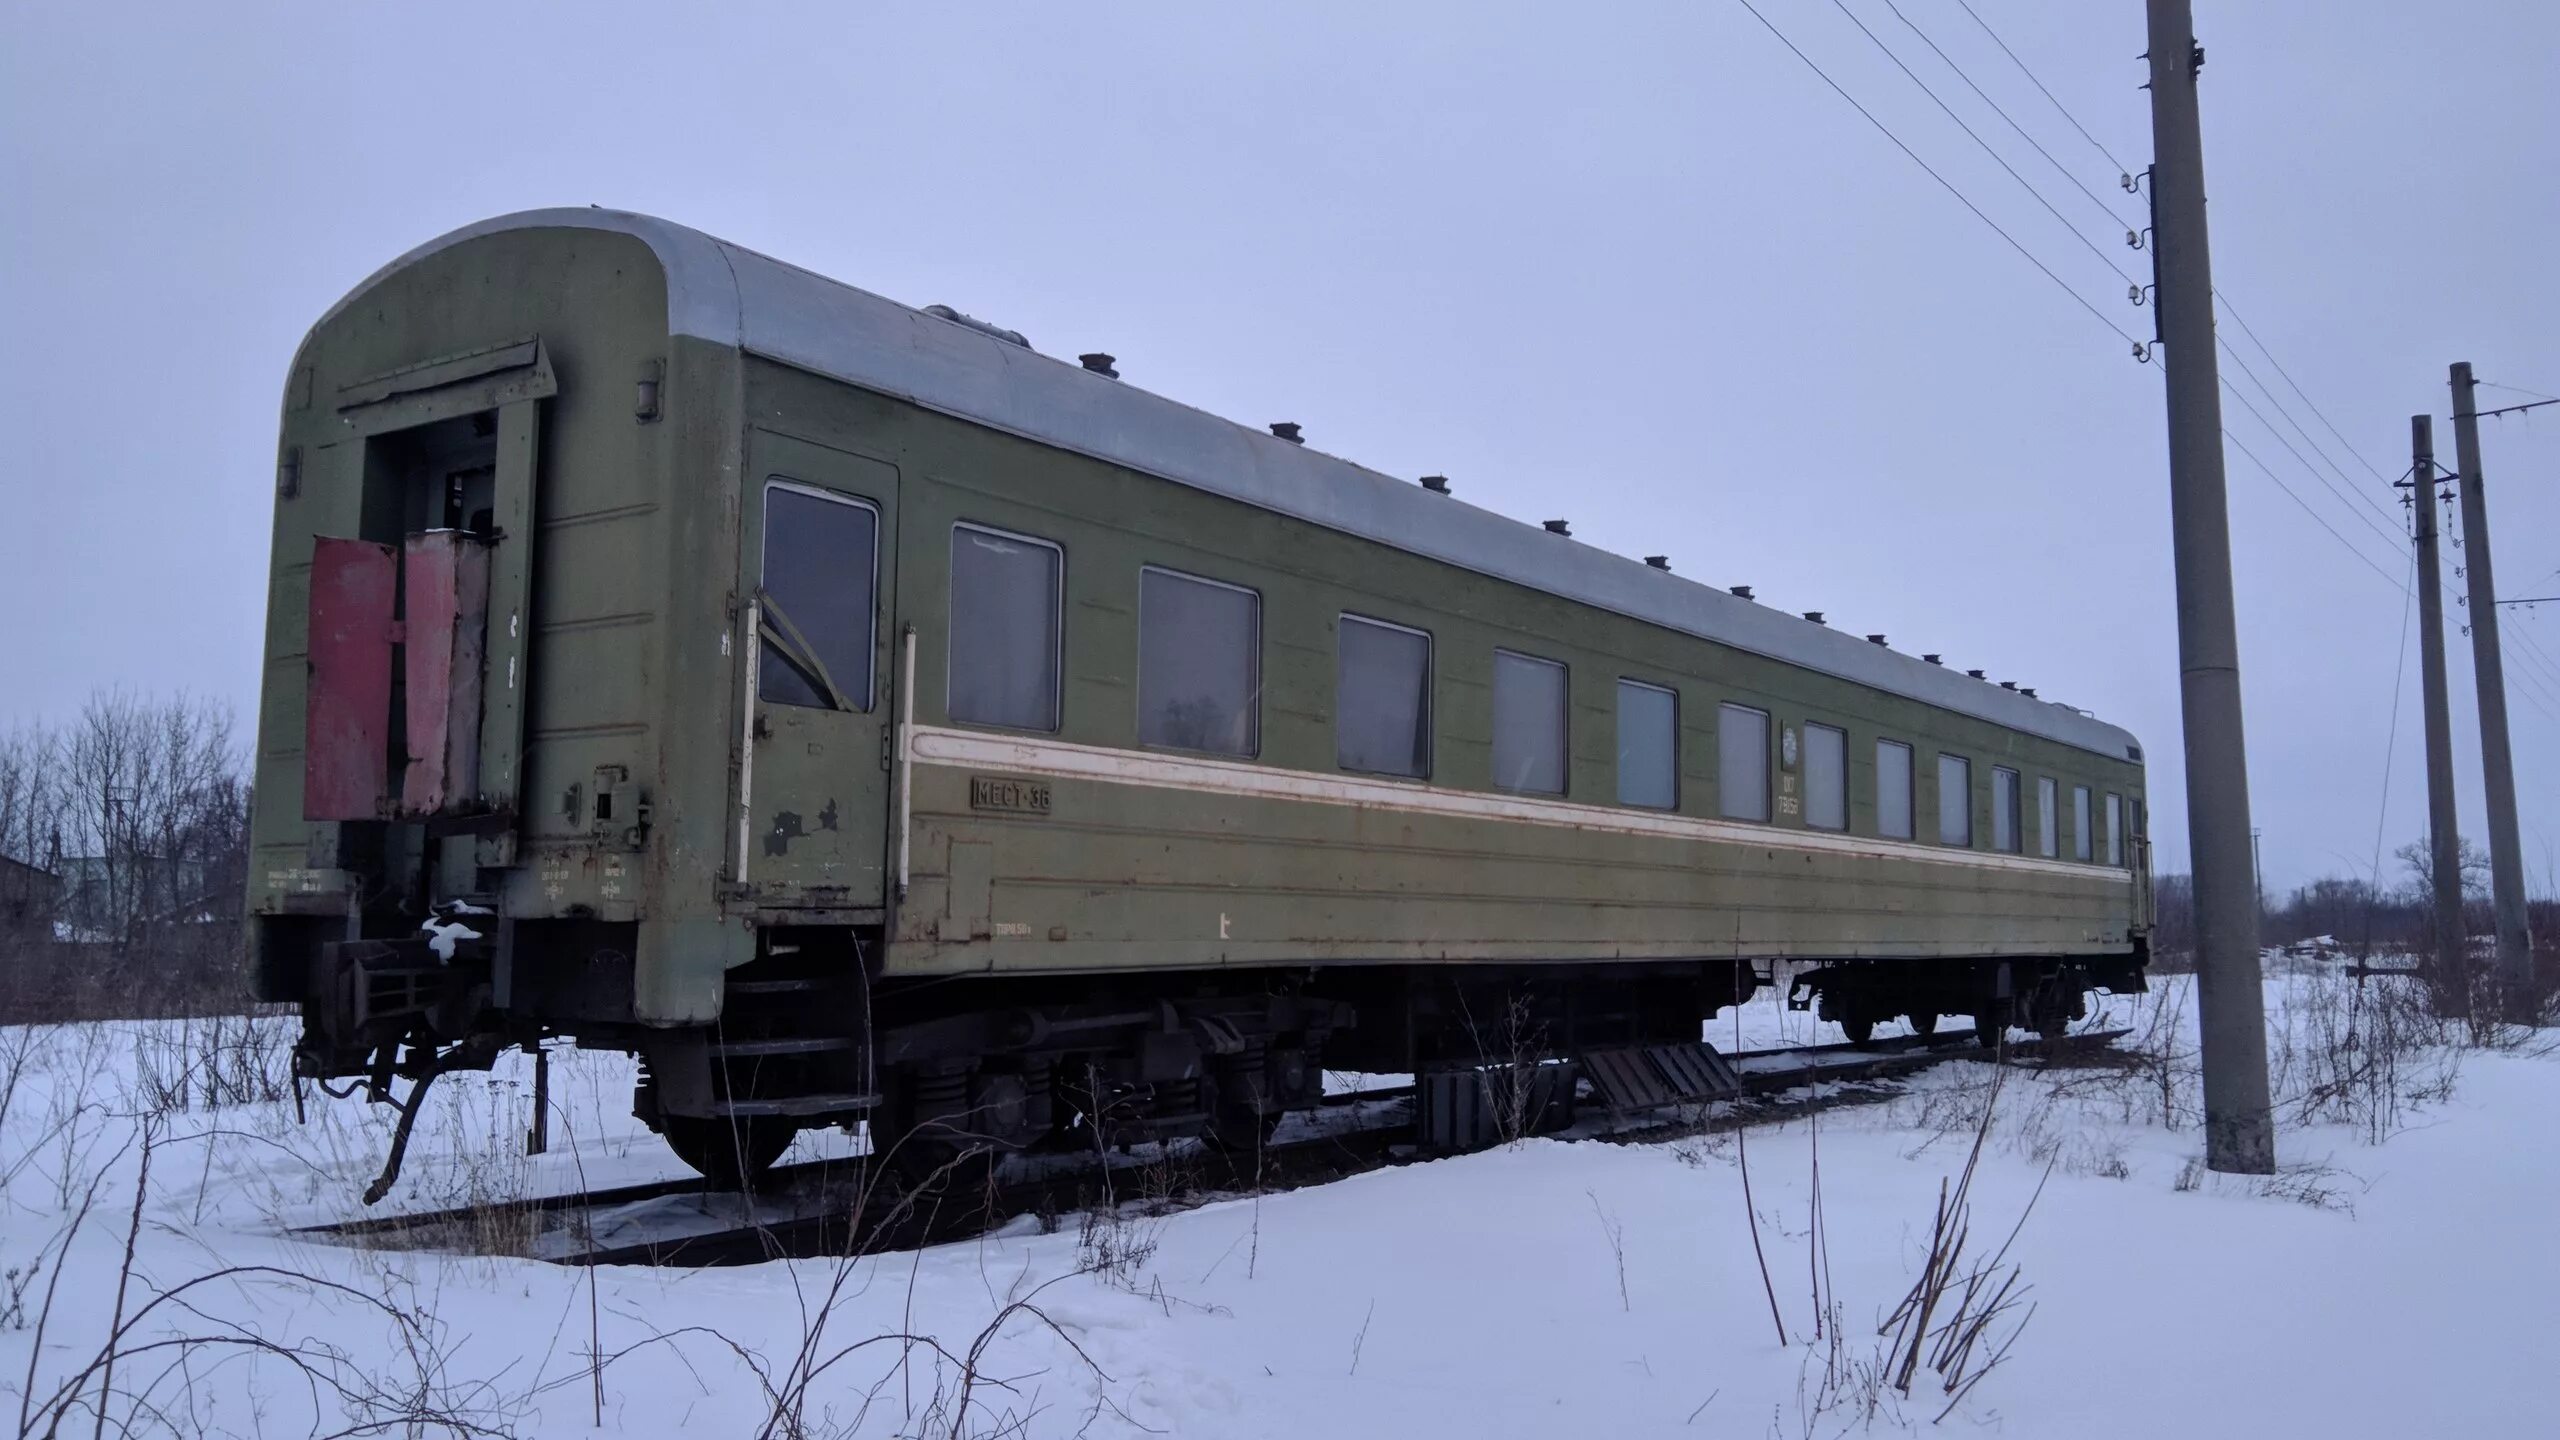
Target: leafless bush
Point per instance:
(2322, 1187)
(1615, 1231)
(940, 1392)
(1516, 1083)
(1963, 1315)
(1116, 1242)
(148, 1372)
(1956, 1324)
(2361, 1053)
(212, 1061)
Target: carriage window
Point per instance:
(1528, 723)
(1382, 699)
(2115, 829)
(2048, 836)
(1648, 746)
(1955, 800)
(2004, 809)
(2079, 822)
(1004, 629)
(820, 570)
(1742, 762)
(1893, 789)
(1826, 778)
(1199, 664)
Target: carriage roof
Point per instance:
(725, 293)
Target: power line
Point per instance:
(2273, 400)
(2387, 577)
(2082, 301)
(2542, 670)
(1887, 131)
(2243, 322)
(2399, 687)
(2535, 692)
(1996, 158)
(2121, 167)
(2064, 170)
(2391, 537)
(2376, 505)
(2531, 667)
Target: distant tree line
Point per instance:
(123, 857)
(2359, 914)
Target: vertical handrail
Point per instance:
(747, 735)
(906, 733)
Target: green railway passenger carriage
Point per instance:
(859, 715)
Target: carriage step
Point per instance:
(1640, 1077)
(789, 1045)
(797, 1107)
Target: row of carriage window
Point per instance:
(1200, 688)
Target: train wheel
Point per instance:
(2049, 1013)
(1991, 1025)
(1240, 1129)
(733, 1152)
(1861, 1030)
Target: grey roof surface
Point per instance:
(723, 292)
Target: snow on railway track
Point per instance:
(836, 1206)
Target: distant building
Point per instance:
(28, 895)
(102, 901)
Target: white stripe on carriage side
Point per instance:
(1056, 759)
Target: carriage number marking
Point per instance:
(988, 792)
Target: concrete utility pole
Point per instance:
(2444, 842)
(2240, 1133)
(2497, 764)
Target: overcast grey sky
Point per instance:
(1630, 264)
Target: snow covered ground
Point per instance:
(2400, 1277)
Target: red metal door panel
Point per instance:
(445, 631)
(347, 715)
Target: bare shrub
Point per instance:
(146, 1373)
(1615, 1232)
(1962, 1315)
(2361, 1053)
(1518, 1078)
(2322, 1187)
(213, 1061)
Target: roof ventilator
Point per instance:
(1558, 527)
(1976, 674)
(1658, 562)
(1287, 430)
(1743, 591)
(945, 312)
(1816, 617)
(1436, 484)
(1875, 639)
(1932, 659)
(1099, 364)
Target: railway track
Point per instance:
(833, 1207)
